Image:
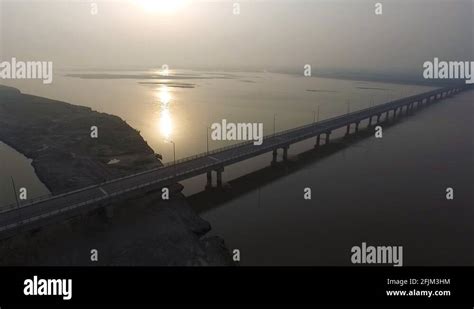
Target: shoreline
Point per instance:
(57, 138)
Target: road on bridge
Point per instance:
(66, 205)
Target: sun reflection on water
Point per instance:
(165, 122)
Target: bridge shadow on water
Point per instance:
(210, 199)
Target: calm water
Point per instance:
(182, 110)
(14, 166)
(388, 191)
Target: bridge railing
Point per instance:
(314, 124)
(11, 206)
(207, 153)
(35, 200)
(38, 213)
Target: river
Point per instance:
(180, 110)
(388, 191)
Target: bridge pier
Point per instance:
(275, 155)
(348, 128)
(378, 118)
(370, 121)
(328, 134)
(219, 172)
(209, 180)
(274, 159)
(318, 141)
(219, 177)
(285, 153)
(387, 115)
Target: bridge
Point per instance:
(39, 212)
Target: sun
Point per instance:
(161, 6)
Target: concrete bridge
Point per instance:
(36, 213)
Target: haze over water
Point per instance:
(180, 110)
(384, 192)
(274, 36)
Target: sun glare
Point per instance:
(165, 97)
(165, 123)
(161, 6)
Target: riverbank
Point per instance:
(60, 139)
(143, 231)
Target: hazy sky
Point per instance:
(272, 33)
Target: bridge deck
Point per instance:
(65, 205)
